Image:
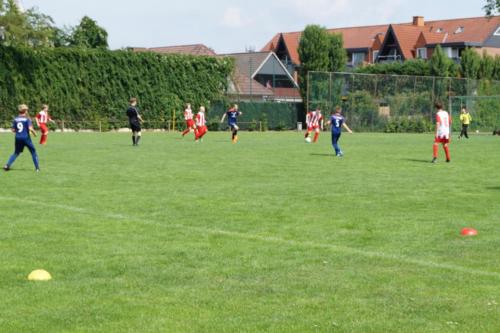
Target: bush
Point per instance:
(408, 125)
(83, 84)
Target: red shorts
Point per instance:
(313, 128)
(44, 129)
(190, 123)
(441, 140)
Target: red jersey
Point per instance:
(316, 118)
(188, 114)
(43, 117)
(200, 119)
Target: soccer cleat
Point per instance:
(6, 168)
(434, 160)
(37, 170)
(448, 161)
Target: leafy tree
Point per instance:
(487, 67)
(314, 50)
(440, 64)
(492, 7)
(336, 53)
(89, 35)
(470, 63)
(496, 71)
(30, 28)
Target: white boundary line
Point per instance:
(273, 239)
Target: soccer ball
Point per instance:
(308, 140)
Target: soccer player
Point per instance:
(232, 120)
(188, 117)
(314, 121)
(42, 118)
(443, 123)
(337, 121)
(135, 121)
(23, 126)
(201, 124)
(465, 119)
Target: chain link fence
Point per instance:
(396, 103)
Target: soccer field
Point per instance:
(267, 235)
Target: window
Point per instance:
(451, 52)
(439, 30)
(459, 30)
(375, 55)
(358, 58)
(497, 33)
(422, 53)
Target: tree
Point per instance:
(440, 64)
(89, 35)
(314, 50)
(30, 28)
(487, 67)
(337, 54)
(492, 7)
(470, 63)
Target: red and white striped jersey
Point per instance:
(308, 119)
(188, 114)
(315, 119)
(43, 117)
(200, 119)
(443, 121)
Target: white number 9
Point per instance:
(20, 127)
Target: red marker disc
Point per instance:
(468, 232)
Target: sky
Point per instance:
(235, 26)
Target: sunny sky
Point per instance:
(232, 26)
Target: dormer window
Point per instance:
(439, 30)
(497, 32)
(459, 30)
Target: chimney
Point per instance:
(418, 21)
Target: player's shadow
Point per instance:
(324, 155)
(416, 160)
(495, 188)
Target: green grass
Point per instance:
(268, 235)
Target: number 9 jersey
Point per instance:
(22, 127)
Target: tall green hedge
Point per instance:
(83, 84)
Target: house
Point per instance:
(261, 76)
(258, 76)
(400, 42)
(194, 49)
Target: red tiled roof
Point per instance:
(287, 92)
(195, 49)
(475, 30)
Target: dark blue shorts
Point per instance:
(21, 143)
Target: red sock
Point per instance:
(43, 139)
(435, 148)
(316, 135)
(447, 151)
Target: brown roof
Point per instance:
(245, 85)
(287, 92)
(195, 49)
(475, 30)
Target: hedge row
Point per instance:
(83, 84)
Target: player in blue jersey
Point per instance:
(232, 120)
(337, 121)
(23, 126)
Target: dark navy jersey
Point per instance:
(232, 116)
(337, 121)
(133, 114)
(22, 126)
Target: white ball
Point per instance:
(308, 140)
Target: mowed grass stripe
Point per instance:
(273, 239)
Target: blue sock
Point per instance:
(12, 159)
(34, 156)
(337, 148)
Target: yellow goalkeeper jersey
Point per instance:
(465, 118)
